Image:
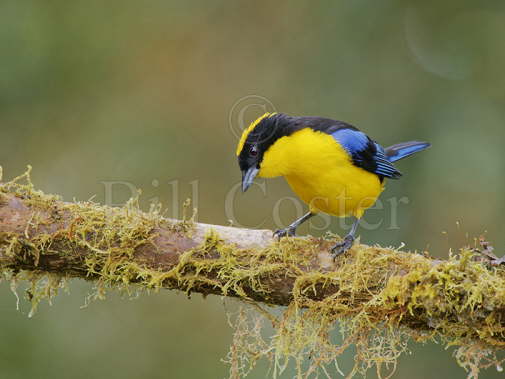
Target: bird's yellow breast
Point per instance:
(320, 171)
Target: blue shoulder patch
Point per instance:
(353, 141)
(366, 153)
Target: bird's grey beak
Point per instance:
(248, 177)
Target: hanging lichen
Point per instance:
(376, 299)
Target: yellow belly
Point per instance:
(322, 174)
(339, 192)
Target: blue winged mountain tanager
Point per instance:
(331, 165)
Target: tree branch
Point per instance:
(460, 299)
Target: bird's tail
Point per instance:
(402, 150)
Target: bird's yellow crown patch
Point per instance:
(249, 129)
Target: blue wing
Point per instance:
(365, 153)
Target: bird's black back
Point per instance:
(365, 152)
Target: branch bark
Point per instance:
(25, 222)
(455, 298)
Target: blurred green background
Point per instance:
(105, 97)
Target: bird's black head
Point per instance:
(256, 140)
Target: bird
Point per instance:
(330, 165)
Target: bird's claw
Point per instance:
(342, 247)
(287, 232)
(498, 261)
(486, 253)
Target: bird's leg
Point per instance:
(348, 241)
(291, 229)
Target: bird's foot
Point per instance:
(498, 261)
(286, 232)
(486, 252)
(342, 247)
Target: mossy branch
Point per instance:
(382, 295)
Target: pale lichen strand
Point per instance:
(109, 236)
(220, 268)
(384, 299)
(377, 299)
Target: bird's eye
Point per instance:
(253, 151)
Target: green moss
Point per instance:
(380, 298)
(111, 234)
(384, 299)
